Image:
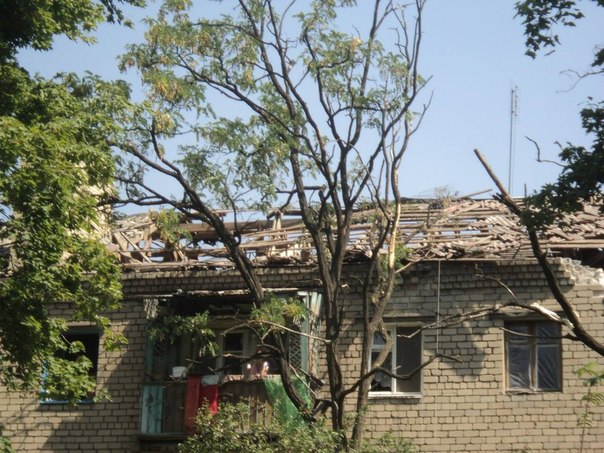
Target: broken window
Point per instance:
(404, 358)
(533, 355)
(81, 348)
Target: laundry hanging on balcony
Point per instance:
(199, 393)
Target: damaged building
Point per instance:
(510, 383)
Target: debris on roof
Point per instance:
(456, 230)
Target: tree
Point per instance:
(285, 100)
(582, 175)
(54, 164)
(35, 23)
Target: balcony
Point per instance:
(165, 410)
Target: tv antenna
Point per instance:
(513, 116)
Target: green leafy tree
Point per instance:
(55, 165)
(286, 103)
(582, 175)
(35, 23)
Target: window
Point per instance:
(405, 356)
(235, 346)
(90, 343)
(58, 374)
(533, 355)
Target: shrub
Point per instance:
(229, 431)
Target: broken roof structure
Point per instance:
(462, 229)
(499, 391)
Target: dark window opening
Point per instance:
(55, 386)
(404, 358)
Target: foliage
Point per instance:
(387, 444)
(230, 431)
(168, 224)
(34, 23)
(278, 311)
(168, 328)
(582, 177)
(593, 376)
(66, 376)
(55, 167)
(538, 18)
(400, 254)
(292, 104)
(5, 443)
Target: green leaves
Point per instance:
(540, 17)
(5, 443)
(277, 312)
(168, 328)
(55, 168)
(243, 93)
(34, 23)
(582, 177)
(231, 430)
(593, 376)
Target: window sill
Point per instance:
(65, 403)
(162, 437)
(530, 391)
(398, 395)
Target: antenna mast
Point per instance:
(513, 116)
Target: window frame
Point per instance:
(534, 346)
(77, 331)
(393, 330)
(247, 350)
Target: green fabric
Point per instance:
(283, 408)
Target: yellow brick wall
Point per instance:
(464, 405)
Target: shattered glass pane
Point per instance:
(380, 381)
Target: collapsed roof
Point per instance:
(449, 230)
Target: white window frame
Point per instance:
(248, 348)
(393, 331)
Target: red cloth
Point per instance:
(192, 399)
(209, 396)
(197, 396)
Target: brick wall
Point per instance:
(94, 427)
(464, 405)
(114, 426)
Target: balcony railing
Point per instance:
(163, 407)
(163, 404)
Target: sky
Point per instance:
(474, 52)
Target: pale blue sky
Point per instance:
(474, 51)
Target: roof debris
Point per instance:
(455, 230)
